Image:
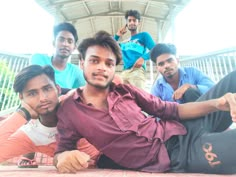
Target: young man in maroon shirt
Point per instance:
(185, 139)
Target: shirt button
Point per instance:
(150, 139)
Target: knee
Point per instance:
(191, 95)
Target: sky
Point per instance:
(25, 27)
(203, 26)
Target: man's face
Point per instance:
(41, 94)
(132, 23)
(99, 66)
(167, 65)
(64, 44)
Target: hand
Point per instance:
(121, 31)
(178, 94)
(138, 63)
(32, 112)
(228, 103)
(71, 161)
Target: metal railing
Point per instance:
(10, 64)
(215, 64)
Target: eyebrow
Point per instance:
(166, 60)
(33, 90)
(95, 56)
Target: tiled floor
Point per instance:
(9, 169)
(41, 159)
(50, 171)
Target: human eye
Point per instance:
(161, 64)
(31, 93)
(48, 88)
(110, 64)
(93, 60)
(70, 41)
(170, 60)
(61, 39)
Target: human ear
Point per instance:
(20, 96)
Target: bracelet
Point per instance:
(26, 113)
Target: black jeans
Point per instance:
(208, 146)
(191, 95)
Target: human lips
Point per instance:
(100, 76)
(44, 106)
(168, 71)
(64, 50)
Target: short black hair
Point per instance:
(29, 72)
(65, 26)
(133, 13)
(103, 39)
(162, 48)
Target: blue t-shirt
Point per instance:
(139, 45)
(188, 75)
(70, 77)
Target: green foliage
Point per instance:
(6, 84)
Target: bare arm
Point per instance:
(197, 109)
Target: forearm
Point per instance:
(9, 125)
(16, 145)
(196, 109)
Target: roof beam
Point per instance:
(178, 3)
(144, 13)
(112, 15)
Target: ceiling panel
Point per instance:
(89, 16)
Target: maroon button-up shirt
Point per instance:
(122, 132)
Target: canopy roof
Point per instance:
(90, 16)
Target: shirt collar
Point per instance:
(77, 94)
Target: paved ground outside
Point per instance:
(50, 171)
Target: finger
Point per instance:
(66, 169)
(233, 107)
(76, 166)
(230, 101)
(91, 162)
(173, 96)
(82, 158)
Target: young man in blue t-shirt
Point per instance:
(67, 75)
(135, 50)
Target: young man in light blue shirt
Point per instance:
(67, 75)
(179, 84)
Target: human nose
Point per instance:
(65, 42)
(102, 66)
(166, 65)
(43, 96)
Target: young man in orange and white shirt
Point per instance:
(32, 127)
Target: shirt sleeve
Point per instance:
(116, 37)
(67, 136)
(203, 83)
(9, 125)
(38, 59)
(80, 81)
(149, 44)
(14, 142)
(154, 105)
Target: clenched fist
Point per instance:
(71, 161)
